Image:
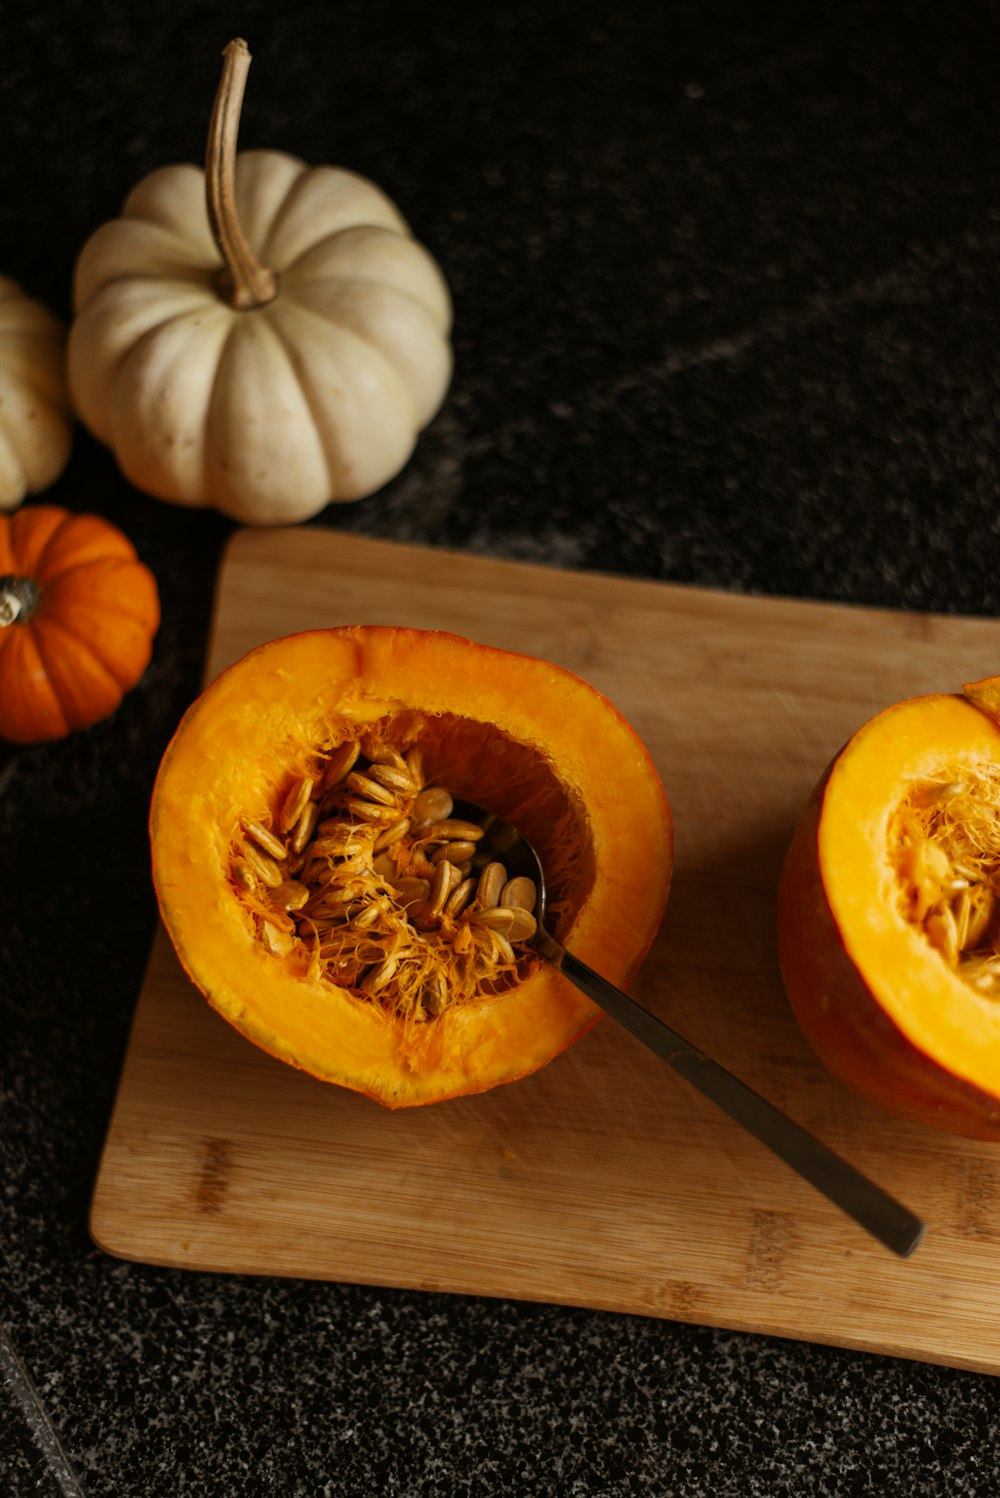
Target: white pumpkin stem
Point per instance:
(18, 599)
(244, 282)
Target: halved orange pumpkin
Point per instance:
(889, 912)
(517, 735)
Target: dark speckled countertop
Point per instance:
(725, 284)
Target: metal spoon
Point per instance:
(871, 1207)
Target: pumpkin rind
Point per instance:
(89, 638)
(879, 1005)
(36, 418)
(252, 726)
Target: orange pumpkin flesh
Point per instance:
(891, 1012)
(517, 735)
(78, 612)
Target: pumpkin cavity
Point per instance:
(359, 873)
(944, 842)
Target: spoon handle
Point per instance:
(871, 1207)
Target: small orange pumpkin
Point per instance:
(889, 912)
(78, 612)
(300, 893)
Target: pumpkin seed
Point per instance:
(344, 839)
(370, 811)
(446, 876)
(491, 884)
(433, 804)
(377, 979)
(523, 927)
(977, 905)
(262, 865)
(305, 826)
(365, 786)
(290, 895)
(295, 802)
(435, 995)
(276, 940)
(456, 853)
(265, 839)
(495, 917)
(412, 892)
(942, 931)
(519, 891)
(392, 834)
(332, 846)
(459, 898)
(366, 918)
(448, 831)
(387, 754)
(394, 779)
(340, 764)
(502, 949)
(414, 760)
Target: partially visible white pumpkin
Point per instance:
(262, 336)
(36, 419)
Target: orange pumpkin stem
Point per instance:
(18, 599)
(244, 282)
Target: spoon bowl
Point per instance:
(868, 1204)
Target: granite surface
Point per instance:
(725, 285)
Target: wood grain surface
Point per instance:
(603, 1180)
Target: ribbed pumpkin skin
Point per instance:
(267, 414)
(36, 419)
(520, 736)
(91, 636)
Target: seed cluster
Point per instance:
(365, 867)
(946, 849)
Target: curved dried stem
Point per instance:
(244, 282)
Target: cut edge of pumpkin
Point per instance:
(369, 672)
(927, 1001)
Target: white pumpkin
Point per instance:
(36, 419)
(262, 337)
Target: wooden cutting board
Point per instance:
(603, 1180)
